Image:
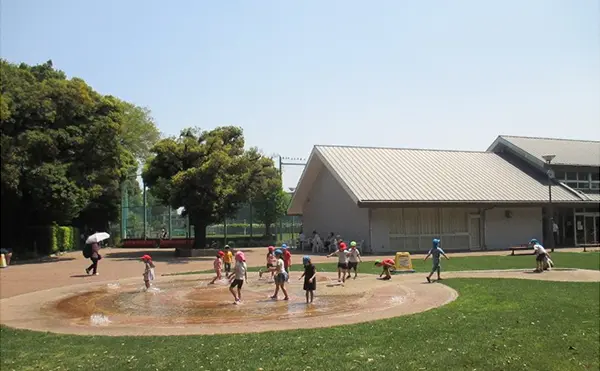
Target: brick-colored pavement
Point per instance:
(68, 269)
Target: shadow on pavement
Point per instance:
(163, 256)
(44, 260)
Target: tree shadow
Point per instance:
(164, 256)
(44, 260)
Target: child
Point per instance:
(218, 265)
(342, 261)
(353, 259)
(436, 251)
(287, 259)
(271, 261)
(148, 271)
(310, 280)
(542, 255)
(281, 276)
(238, 276)
(387, 264)
(227, 259)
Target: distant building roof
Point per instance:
(568, 151)
(402, 176)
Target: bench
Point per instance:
(519, 247)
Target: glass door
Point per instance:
(591, 231)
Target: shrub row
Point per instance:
(52, 239)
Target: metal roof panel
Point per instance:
(410, 175)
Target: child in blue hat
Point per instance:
(281, 276)
(310, 278)
(436, 252)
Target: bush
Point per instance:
(44, 240)
(53, 239)
(65, 238)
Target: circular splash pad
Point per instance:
(183, 305)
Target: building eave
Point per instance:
(474, 204)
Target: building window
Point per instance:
(581, 180)
(573, 185)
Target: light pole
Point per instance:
(550, 226)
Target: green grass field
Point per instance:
(589, 260)
(495, 324)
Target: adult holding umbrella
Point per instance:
(94, 250)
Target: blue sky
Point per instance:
(432, 74)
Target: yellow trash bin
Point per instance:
(2, 261)
(403, 263)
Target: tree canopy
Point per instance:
(65, 149)
(207, 172)
(268, 198)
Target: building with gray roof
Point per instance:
(399, 199)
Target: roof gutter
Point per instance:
(478, 204)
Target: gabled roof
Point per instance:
(568, 151)
(405, 176)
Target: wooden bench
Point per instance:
(519, 247)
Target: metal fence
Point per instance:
(158, 221)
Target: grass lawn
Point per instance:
(588, 260)
(495, 324)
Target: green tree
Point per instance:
(209, 173)
(139, 131)
(268, 197)
(64, 150)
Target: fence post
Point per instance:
(251, 221)
(293, 225)
(170, 222)
(124, 210)
(145, 213)
(225, 231)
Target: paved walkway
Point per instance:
(69, 269)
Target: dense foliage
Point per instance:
(211, 175)
(65, 150)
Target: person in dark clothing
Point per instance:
(310, 278)
(94, 258)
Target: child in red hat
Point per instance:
(218, 265)
(271, 262)
(148, 271)
(342, 261)
(387, 265)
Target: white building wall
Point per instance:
(502, 232)
(412, 229)
(380, 231)
(329, 208)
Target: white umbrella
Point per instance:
(97, 237)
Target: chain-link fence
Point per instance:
(157, 221)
